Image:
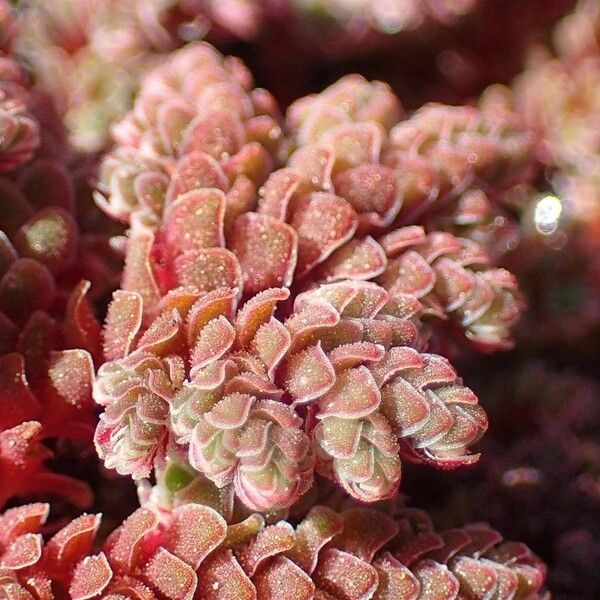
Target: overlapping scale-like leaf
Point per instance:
(197, 108)
(358, 553)
(452, 276)
(240, 389)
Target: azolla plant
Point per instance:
(193, 553)
(273, 322)
(268, 363)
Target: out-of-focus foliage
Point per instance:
(55, 262)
